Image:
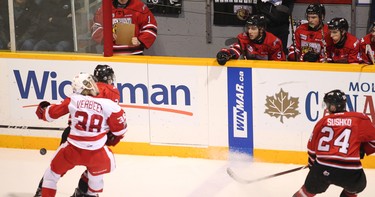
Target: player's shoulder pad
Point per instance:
(366, 39)
(357, 115)
(111, 88)
(304, 27)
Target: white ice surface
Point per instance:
(146, 176)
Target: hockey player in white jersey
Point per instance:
(92, 119)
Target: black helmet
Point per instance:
(335, 98)
(104, 73)
(318, 9)
(338, 23)
(256, 20)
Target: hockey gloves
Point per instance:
(293, 54)
(223, 56)
(113, 140)
(41, 107)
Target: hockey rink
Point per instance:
(145, 176)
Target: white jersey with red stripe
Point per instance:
(92, 118)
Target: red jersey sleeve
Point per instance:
(367, 135)
(239, 48)
(276, 50)
(366, 130)
(148, 28)
(311, 144)
(362, 50)
(55, 111)
(108, 91)
(369, 147)
(354, 56)
(365, 55)
(97, 27)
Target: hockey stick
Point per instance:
(293, 38)
(239, 179)
(324, 46)
(31, 127)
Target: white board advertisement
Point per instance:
(288, 103)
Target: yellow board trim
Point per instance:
(123, 58)
(134, 148)
(188, 61)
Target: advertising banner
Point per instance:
(288, 103)
(162, 103)
(179, 105)
(240, 110)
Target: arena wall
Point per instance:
(187, 107)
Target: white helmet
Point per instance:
(84, 81)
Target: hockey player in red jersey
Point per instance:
(105, 78)
(254, 44)
(312, 38)
(367, 46)
(92, 118)
(334, 149)
(128, 12)
(345, 47)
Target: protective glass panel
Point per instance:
(4, 25)
(48, 25)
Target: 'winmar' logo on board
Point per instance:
(280, 106)
(239, 112)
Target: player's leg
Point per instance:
(38, 192)
(50, 180)
(95, 184)
(104, 162)
(303, 193)
(83, 181)
(82, 185)
(345, 193)
(64, 160)
(315, 182)
(352, 182)
(64, 137)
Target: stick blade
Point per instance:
(19, 194)
(235, 177)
